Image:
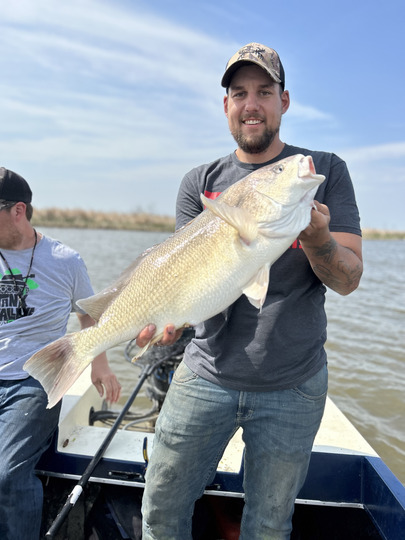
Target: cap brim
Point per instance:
(226, 79)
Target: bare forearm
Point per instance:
(336, 258)
(337, 266)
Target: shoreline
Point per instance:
(91, 219)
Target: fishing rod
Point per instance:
(74, 495)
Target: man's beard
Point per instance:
(255, 145)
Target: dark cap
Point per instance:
(13, 188)
(255, 53)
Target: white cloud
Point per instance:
(308, 113)
(377, 165)
(98, 91)
(378, 174)
(395, 150)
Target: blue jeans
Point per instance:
(26, 429)
(197, 420)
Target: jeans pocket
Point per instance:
(183, 374)
(316, 387)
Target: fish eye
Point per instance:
(278, 169)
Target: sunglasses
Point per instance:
(6, 204)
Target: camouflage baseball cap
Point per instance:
(258, 54)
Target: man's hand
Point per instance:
(103, 378)
(336, 257)
(170, 335)
(318, 228)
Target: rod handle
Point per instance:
(63, 514)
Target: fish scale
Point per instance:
(195, 274)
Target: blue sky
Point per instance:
(106, 105)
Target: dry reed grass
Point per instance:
(91, 219)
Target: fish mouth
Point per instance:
(306, 169)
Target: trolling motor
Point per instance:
(156, 384)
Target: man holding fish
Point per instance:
(40, 281)
(260, 364)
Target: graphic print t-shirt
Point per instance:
(58, 278)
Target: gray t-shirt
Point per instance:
(58, 278)
(282, 346)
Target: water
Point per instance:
(366, 351)
(366, 338)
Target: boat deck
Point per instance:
(77, 437)
(349, 493)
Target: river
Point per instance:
(366, 336)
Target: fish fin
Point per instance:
(237, 217)
(96, 305)
(141, 351)
(57, 366)
(256, 289)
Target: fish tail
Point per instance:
(57, 366)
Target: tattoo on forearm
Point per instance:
(338, 275)
(327, 251)
(346, 275)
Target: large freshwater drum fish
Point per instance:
(195, 274)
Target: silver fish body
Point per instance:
(198, 272)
